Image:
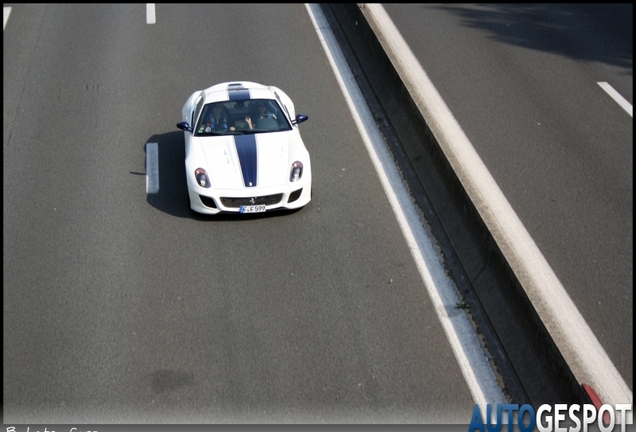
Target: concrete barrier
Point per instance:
(520, 332)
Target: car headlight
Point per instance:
(202, 177)
(296, 171)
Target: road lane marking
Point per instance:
(577, 343)
(620, 100)
(152, 168)
(6, 13)
(463, 340)
(150, 13)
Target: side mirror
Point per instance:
(300, 118)
(184, 126)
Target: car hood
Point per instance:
(246, 161)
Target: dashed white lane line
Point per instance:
(6, 13)
(150, 13)
(152, 168)
(620, 100)
(471, 359)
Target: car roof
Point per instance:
(237, 90)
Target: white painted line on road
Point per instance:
(617, 97)
(6, 13)
(459, 332)
(152, 168)
(150, 13)
(577, 343)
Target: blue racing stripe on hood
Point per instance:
(246, 149)
(237, 92)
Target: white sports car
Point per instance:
(243, 150)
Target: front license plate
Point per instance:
(252, 209)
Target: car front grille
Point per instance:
(237, 202)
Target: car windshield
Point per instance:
(241, 117)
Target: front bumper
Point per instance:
(211, 201)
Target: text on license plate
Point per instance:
(252, 208)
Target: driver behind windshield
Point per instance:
(218, 120)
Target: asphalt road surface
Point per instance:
(124, 307)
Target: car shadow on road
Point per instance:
(172, 195)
